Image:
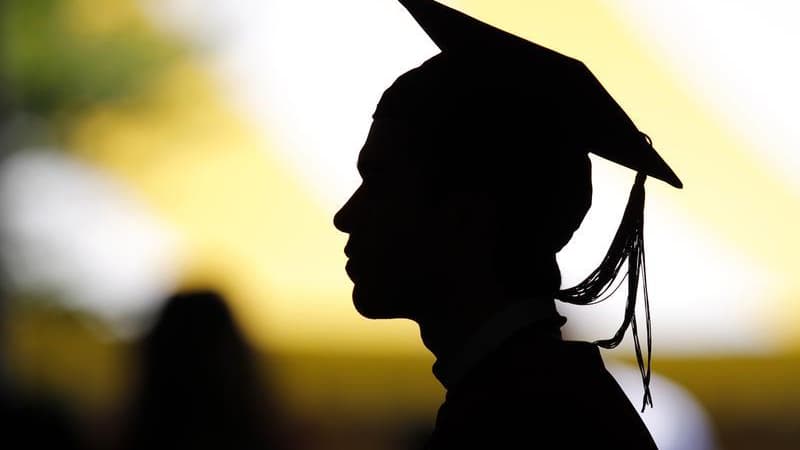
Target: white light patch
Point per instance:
(677, 420)
(206, 23)
(68, 230)
(705, 296)
(311, 72)
(738, 57)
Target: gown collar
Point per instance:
(516, 316)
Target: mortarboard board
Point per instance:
(600, 124)
(597, 124)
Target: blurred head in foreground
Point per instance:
(199, 383)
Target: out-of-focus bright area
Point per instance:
(154, 146)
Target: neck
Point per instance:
(457, 315)
(446, 330)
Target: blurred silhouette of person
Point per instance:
(199, 386)
(475, 173)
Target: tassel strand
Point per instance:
(627, 246)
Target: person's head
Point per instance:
(200, 384)
(489, 176)
(467, 184)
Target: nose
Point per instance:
(339, 219)
(343, 219)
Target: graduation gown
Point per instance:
(518, 385)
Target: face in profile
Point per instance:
(391, 225)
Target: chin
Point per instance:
(373, 305)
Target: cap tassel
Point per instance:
(628, 245)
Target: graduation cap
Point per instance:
(601, 125)
(597, 124)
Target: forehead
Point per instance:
(389, 146)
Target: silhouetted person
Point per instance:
(475, 174)
(199, 386)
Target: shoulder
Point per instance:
(541, 392)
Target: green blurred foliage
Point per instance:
(53, 67)
(59, 59)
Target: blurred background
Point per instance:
(150, 147)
